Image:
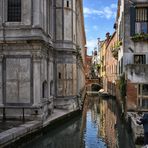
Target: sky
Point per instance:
(99, 17)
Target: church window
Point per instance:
(14, 11)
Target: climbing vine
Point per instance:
(122, 86)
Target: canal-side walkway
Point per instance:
(15, 133)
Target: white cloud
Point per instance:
(113, 6)
(95, 27)
(106, 12)
(88, 11)
(91, 44)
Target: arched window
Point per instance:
(44, 89)
(14, 11)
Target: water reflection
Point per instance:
(108, 122)
(98, 127)
(91, 131)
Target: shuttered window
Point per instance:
(141, 24)
(141, 15)
(139, 20)
(14, 10)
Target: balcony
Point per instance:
(115, 49)
(137, 73)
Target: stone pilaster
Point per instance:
(1, 81)
(37, 78)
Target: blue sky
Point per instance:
(99, 18)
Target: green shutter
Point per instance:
(132, 20)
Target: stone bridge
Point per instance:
(94, 81)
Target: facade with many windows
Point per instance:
(39, 65)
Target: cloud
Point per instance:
(88, 11)
(95, 27)
(113, 6)
(107, 12)
(91, 44)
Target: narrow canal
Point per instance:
(99, 126)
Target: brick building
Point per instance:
(111, 64)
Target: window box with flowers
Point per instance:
(139, 23)
(140, 37)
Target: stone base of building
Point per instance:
(69, 103)
(35, 112)
(137, 130)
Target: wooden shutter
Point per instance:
(132, 20)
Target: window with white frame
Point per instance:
(141, 24)
(143, 96)
(138, 20)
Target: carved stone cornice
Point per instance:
(37, 56)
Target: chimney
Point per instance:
(85, 50)
(107, 36)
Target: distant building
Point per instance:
(95, 62)
(111, 57)
(88, 64)
(103, 49)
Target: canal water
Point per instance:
(99, 126)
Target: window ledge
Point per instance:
(14, 23)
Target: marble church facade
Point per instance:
(41, 57)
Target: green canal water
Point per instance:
(99, 126)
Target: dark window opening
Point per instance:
(44, 89)
(67, 3)
(139, 89)
(59, 75)
(51, 88)
(14, 10)
(139, 59)
(145, 103)
(145, 89)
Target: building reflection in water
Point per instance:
(91, 131)
(98, 127)
(103, 114)
(66, 136)
(108, 122)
